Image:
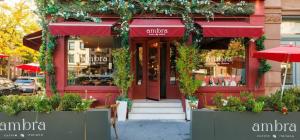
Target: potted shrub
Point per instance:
(122, 79)
(186, 62)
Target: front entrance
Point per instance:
(151, 63)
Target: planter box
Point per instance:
(214, 125)
(57, 125)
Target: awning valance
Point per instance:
(33, 40)
(156, 28)
(82, 28)
(230, 29)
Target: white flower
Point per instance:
(224, 102)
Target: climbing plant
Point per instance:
(264, 66)
(84, 10)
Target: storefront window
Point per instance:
(90, 61)
(222, 66)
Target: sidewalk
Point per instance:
(153, 130)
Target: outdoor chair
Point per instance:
(113, 109)
(106, 101)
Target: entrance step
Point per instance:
(168, 109)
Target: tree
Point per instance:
(122, 76)
(186, 62)
(16, 21)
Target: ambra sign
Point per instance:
(22, 125)
(276, 126)
(157, 32)
(279, 129)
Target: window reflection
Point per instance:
(173, 52)
(223, 66)
(139, 64)
(90, 61)
(153, 63)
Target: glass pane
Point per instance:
(153, 64)
(139, 64)
(223, 66)
(90, 61)
(172, 64)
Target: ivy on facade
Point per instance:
(264, 66)
(83, 10)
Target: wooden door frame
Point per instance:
(139, 91)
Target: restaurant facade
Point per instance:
(83, 54)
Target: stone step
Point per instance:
(153, 116)
(157, 110)
(160, 105)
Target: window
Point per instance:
(71, 58)
(91, 67)
(81, 46)
(82, 58)
(222, 65)
(71, 45)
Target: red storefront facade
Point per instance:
(151, 44)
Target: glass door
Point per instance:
(153, 69)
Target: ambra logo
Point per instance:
(157, 31)
(275, 126)
(22, 125)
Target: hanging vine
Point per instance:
(83, 10)
(264, 66)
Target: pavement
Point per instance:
(152, 130)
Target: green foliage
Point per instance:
(217, 100)
(42, 104)
(122, 76)
(290, 101)
(264, 66)
(186, 62)
(13, 104)
(258, 107)
(248, 100)
(234, 104)
(84, 105)
(55, 100)
(70, 101)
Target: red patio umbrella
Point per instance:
(32, 67)
(3, 56)
(283, 53)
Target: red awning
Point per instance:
(33, 40)
(230, 29)
(156, 28)
(82, 28)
